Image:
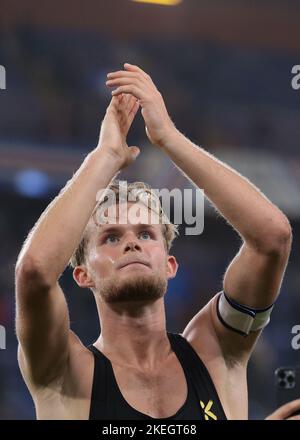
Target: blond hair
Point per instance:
(169, 230)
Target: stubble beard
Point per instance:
(133, 288)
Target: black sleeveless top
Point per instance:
(202, 402)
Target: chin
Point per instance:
(136, 287)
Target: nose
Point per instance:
(132, 246)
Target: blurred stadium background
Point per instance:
(224, 69)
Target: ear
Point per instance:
(83, 277)
(172, 266)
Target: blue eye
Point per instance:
(111, 236)
(145, 233)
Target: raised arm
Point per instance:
(254, 276)
(42, 321)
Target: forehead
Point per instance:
(126, 215)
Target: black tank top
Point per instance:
(202, 402)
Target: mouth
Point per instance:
(134, 264)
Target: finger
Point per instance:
(127, 103)
(133, 90)
(131, 103)
(134, 105)
(128, 118)
(292, 407)
(138, 75)
(120, 81)
(122, 102)
(134, 76)
(294, 418)
(286, 410)
(125, 109)
(131, 115)
(114, 103)
(123, 73)
(134, 68)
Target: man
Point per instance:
(136, 369)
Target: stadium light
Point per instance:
(160, 2)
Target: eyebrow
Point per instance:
(117, 228)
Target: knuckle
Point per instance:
(137, 79)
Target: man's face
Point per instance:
(129, 262)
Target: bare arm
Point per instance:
(42, 321)
(255, 274)
(261, 225)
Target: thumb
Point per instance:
(134, 151)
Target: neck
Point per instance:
(134, 334)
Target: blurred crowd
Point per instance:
(219, 95)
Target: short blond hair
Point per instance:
(169, 230)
